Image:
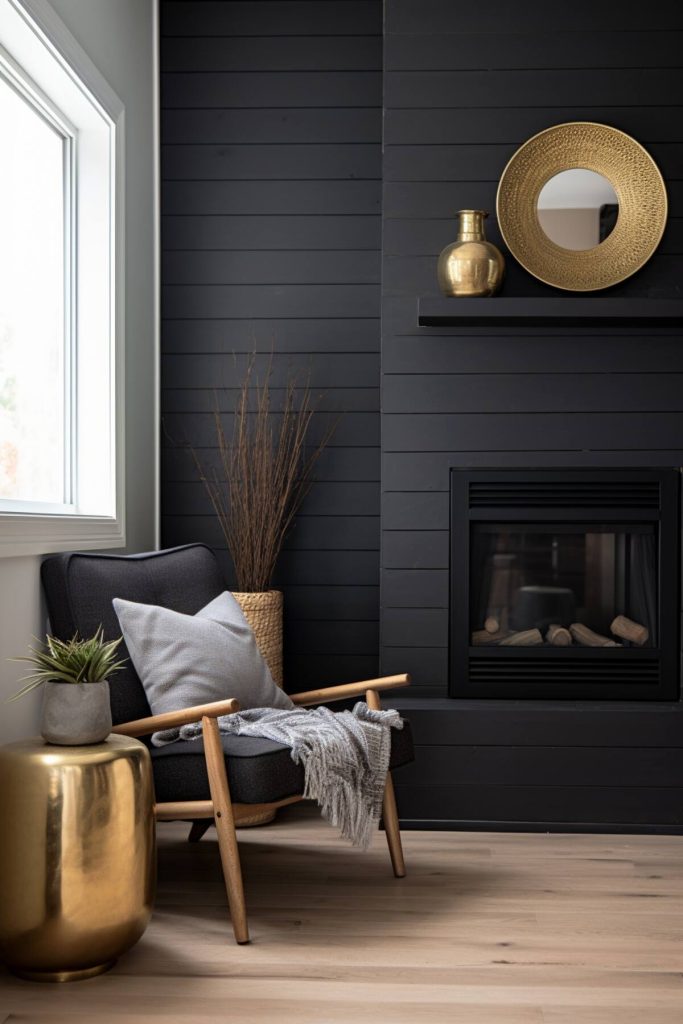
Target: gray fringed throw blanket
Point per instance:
(345, 755)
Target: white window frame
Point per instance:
(39, 53)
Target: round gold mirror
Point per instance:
(581, 206)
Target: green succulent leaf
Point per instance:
(91, 660)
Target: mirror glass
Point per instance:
(578, 209)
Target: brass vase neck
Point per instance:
(471, 225)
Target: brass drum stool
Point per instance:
(77, 855)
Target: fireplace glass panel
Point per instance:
(528, 577)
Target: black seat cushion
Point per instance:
(259, 770)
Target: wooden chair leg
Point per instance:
(392, 830)
(389, 812)
(198, 828)
(225, 827)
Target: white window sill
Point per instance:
(44, 534)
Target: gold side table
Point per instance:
(77, 857)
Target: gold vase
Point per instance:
(470, 266)
(77, 858)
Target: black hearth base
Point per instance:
(555, 827)
(543, 765)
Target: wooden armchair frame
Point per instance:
(227, 815)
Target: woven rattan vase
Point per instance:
(263, 612)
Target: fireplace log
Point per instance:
(627, 629)
(481, 637)
(587, 638)
(525, 638)
(558, 636)
(492, 625)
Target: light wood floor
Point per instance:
(486, 929)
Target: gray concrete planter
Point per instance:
(75, 714)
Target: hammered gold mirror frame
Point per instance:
(640, 193)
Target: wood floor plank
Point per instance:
(486, 929)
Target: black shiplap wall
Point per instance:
(464, 86)
(271, 168)
(271, 240)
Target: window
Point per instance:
(34, 458)
(61, 442)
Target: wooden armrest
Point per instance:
(331, 693)
(174, 719)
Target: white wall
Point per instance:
(119, 36)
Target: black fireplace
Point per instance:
(565, 584)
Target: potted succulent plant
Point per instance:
(75, 675)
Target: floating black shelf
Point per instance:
(436, 311)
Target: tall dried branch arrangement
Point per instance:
(266, 471)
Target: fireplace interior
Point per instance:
(558, 586)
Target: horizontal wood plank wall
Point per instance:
(464, 86)
(271, 168)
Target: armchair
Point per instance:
(217, 779)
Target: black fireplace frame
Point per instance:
(543, 673)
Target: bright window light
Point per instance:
(34, 428)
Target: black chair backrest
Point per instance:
(80, 589)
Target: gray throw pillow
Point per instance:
(183, 660)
